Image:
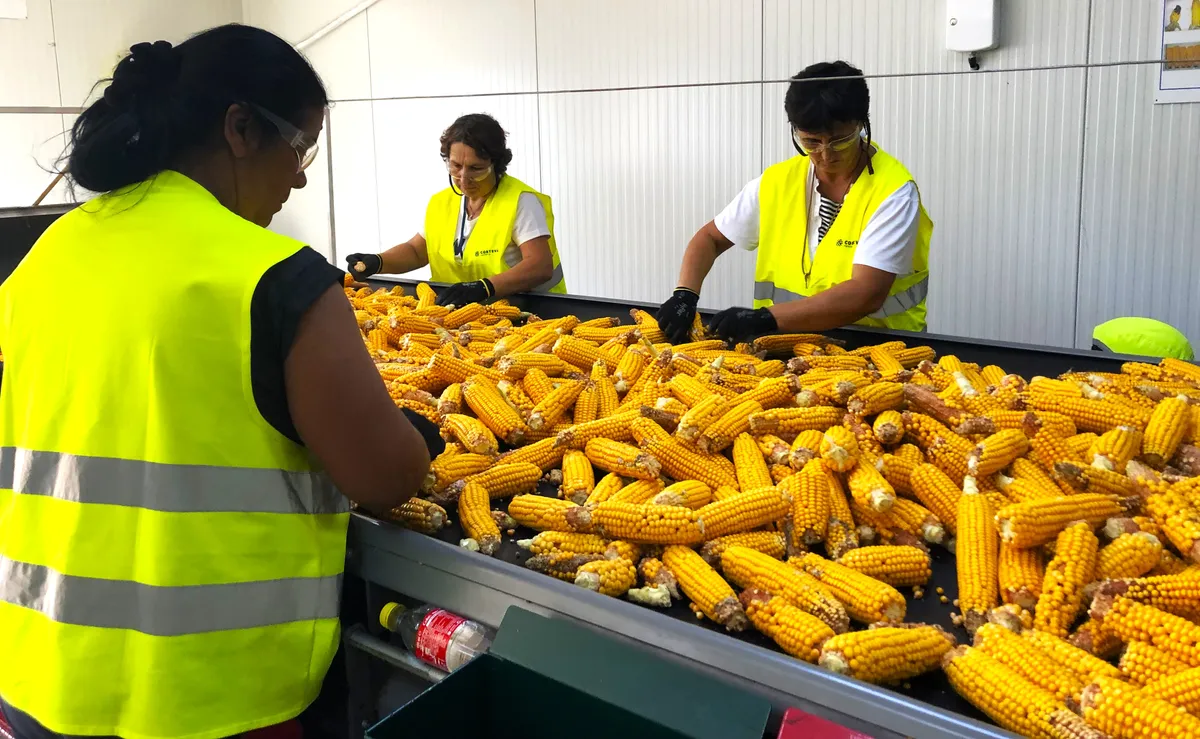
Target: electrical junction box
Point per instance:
(971, 25)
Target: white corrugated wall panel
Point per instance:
(434, 47)
(1140, 246)
(996, 156)
(408, 155)
(635, 174)
(356, 205)
(588, 44)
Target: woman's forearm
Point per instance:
(701, 253)
(403, 258)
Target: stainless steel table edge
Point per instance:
(483, 588)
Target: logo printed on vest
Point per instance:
(484, 252)
(848, 243)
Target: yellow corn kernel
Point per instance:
(916, 519)
(1000, 692)
(471, 433)
(809, 490)
(770, 543)
(623, 459)
(806, 447)
(608, 486)
(1129, 555)
(1020, 575)
(1181, 689)
(887, 654)
(451, 400)
(638, 491)
(1097, 416)
(977, 557)
(500, 481)
(869, 488)
(1165, 430)
(797, 633)
(554, 405)
(1143, 663)
(1028, 661)
(489, 405)
(1037, 522)
(773, 449)
(938, 493)
(546, 514)
(889, 427)
(578, 477)
(1114, 448)
(926, 430)
(580, 353)
(564, 541)
(898, 566)
(745, 512)
(1177, 594)
(688, 493)
(997, 451)
(841, 535)
(607, 399)
(749, 464)
(839, 449)
(722, 431)
(544, 454)
(1129, 620)
(475, 515)
(645, 523)
(678, 461)
(772, 393)
(700, 416)
(420, 515)
(447, 469)
(898, 472)
(612, 577)
(866, 599)
(1121, 709)
(707, 590)
(748, 568)
(1085, 665)
(1073, 567)
(788, 421)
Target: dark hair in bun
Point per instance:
(482, 133)
(165, 100)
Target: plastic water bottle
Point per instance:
(438, 637)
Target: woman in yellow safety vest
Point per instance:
(840, 231)
(489, 234)
(179, 422)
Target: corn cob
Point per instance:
(1123, 710)
(869, 488)
(798, 633)
(452, 369)
(887, 654)
(475, 514)
(1143, 663)
(898, 566)
(779, 473)
(680, 462)
(515, 366)
(1085, 665)
(709, 593)
(898, 472)
(1113, 449)
(977, 554)
(587, 404)
(1036, 522)
(866, 599)
(787, 421)
(1073, 567)
(1129, 555)
(581, 354)
(1030, 471)
(617, 428)
(1181, 689)
(1176, 594)
(638, 491)
(656, 576)
(1000, 692)
(1091, 415)
(485, 400)
(693, 423)
(722, 431)
(544, 454)
(1020, 490)
(938, 493)
(840, 535)
(772, 393)
(1129, 620)
(997, 451)
(500, 481)
(538, 386)
(839, 450)
(1091, 637)
(688, 493)
(471, 433)
(768, 542)
(876, 398)
(561, 564)
(562, 541)
(546, 514)
(1030, 662)
(420, 515)
(748, 568)
(578, 477)
(806, 447)
(644, 523)
(773, 343)
(612, 577)
(809, 490)
(629, 369)
(773, 449)
(889, 427)
(749, 465)
(607, 399)
(451, 400)
(1020, 575)
(1165, 430)
(553, 405)
(623, 459)
(446, 469)
(743, 512)
(607, 487)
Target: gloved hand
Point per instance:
(742, 324)
(675, 316)
(463, 293)
(428, 431)
(362, 266)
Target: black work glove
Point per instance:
(464, 293)
(428, 431)
(675, 316)
(742, 324)
(362, 266)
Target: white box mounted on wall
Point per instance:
(971, 25)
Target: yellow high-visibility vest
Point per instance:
(489, 249)
(170, 564)
(783, 221)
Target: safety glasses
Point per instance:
(812, 146)
(474, 173)
(301, 143)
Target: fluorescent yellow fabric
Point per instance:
(170, 563)
(1143, 336)
(489, 250)
(783, 221)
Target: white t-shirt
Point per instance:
(530, 223)
(887, 243)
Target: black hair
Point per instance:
(164, 101)
(817, 106)
(482, 133)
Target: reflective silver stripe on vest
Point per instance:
(512, 257)
(894, 305)
(903, 301)
(167, 611)
(171, 488)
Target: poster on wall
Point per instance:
(14, 9)
(1178, 33)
